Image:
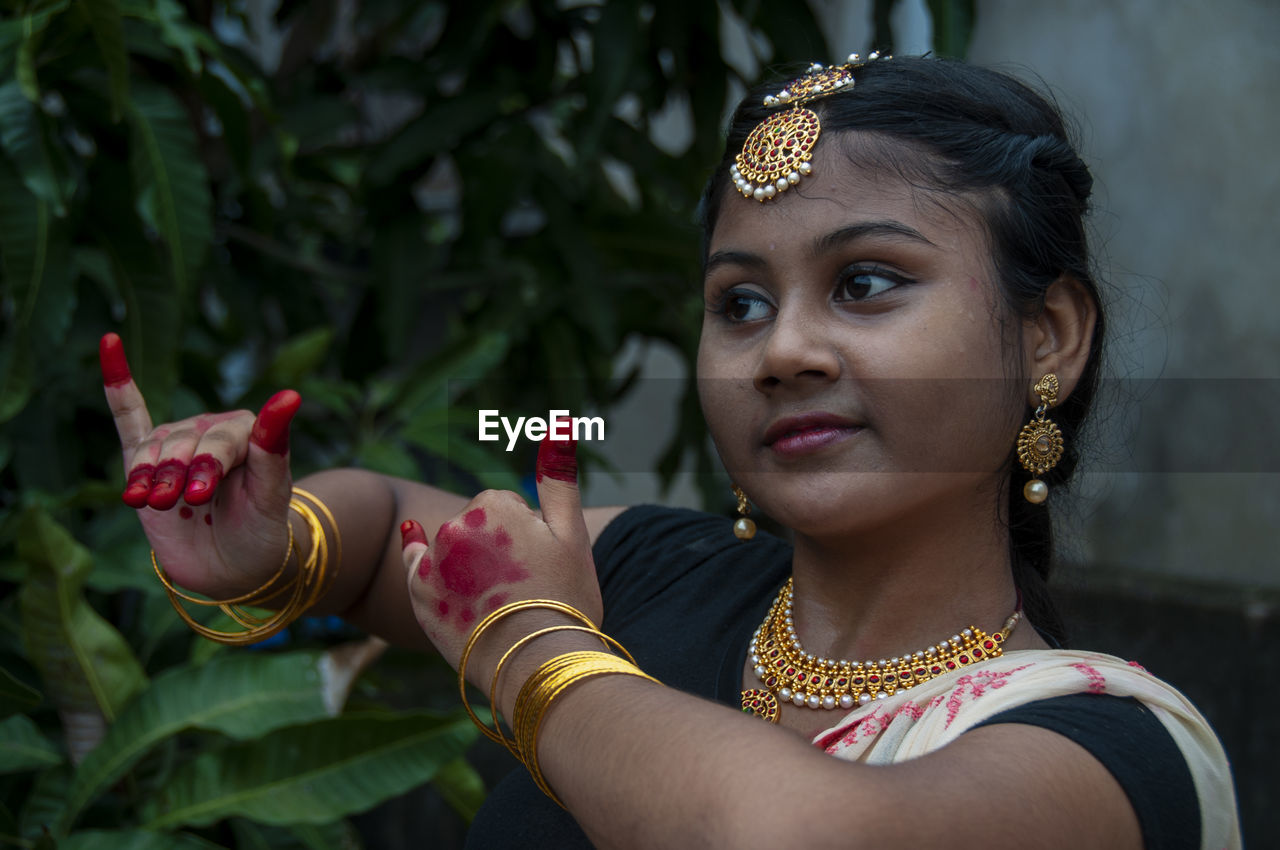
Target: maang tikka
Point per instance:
(1040, 441)
(776, 154)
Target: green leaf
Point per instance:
(134, 839)
(22, 747)
(300, 356)
(170, 178)
(313, 773)
(952, 26)
(437, 129)
(241, 695)
(31, 27)
(86, 666)
(23, 139)
(461, 787)
(108, 34)
(16, 696)
(44, 801)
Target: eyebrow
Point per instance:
(893, 230)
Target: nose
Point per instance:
(799, 349)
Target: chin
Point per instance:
(847, 504)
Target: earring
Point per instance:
(744, 528)
(1040, 441)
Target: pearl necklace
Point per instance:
(789, 673)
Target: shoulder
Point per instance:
(649, 540)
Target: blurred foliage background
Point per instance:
(394, 207)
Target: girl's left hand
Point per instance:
(498, 551)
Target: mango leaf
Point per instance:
(241, 695)
(35, 256)
(952, 26)
(172, 185)
(104, 21)
(15, 696)
(23, 747)
(461, 787)
(44, 802)
(299, 357)
(134, 839)
(86, 666)
(313, 773)
(31, 27)
(23, 139)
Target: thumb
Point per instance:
(558, 495)
(267, 480)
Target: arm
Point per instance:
(642, 765)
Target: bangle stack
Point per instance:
(547, 683)
(304, 588)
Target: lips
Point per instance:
(808, 432)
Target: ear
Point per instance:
(1060, 338)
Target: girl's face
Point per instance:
(855, 364)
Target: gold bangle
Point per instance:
(306, 586)
(497, 671)
(244, 597)
(544, 686)
(505, 610)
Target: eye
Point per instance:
(742, 305)
(858, 283)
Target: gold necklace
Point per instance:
(791, 674)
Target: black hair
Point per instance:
(997, 141)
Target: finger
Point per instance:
(557, 482)
(414, 549)
(224, 446)
(267, 480)
(128, 408)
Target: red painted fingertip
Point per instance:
(411, 532)
(202, 479)
(138, 487)
(271, 429)
(558, 459)
(115, 368)
(171, 478)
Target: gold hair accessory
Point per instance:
(307, 584)
(744, 528)
(793, 675)
(777, 153)
(1040, 441)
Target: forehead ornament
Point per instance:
(777, 152)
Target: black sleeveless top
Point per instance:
(683, 595)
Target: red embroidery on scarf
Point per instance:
(1139, 666)
(1097, 682)
(968, 688)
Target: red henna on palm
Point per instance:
(186, 512)
(208, 519)
(470, 563)
(493, 603)
(443, 608)
(558, 459)
(271, 428)
(115, 368)
(138, 487)
(202, 479)
(171, 477)
(474, 518)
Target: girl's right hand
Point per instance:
(212, 491)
